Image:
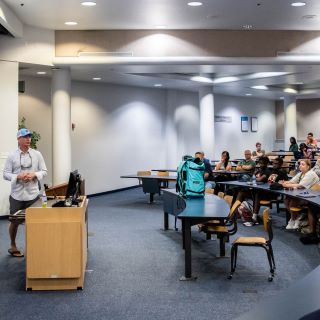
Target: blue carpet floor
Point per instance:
(134, 267)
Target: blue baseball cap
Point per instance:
(23, 133)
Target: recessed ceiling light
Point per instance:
(88, 3)
(157, 85)
(298, 4)
(161, 26)
(71, 23)
(299, 83)
(225, 79)
(201, 79)
(281, 98)
(41, 72)
(248, 94)
(194, 3)
(260, 87)
(290, 90)
(96, 79)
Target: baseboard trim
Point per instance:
(112, 191)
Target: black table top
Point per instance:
(210, 206)
(303, 194)
(163, 170)
(152, 176)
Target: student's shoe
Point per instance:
(248, 224)
(290, 225)
(296, 224)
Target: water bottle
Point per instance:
(44, 200)
(254, 180)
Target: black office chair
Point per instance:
(255, 242)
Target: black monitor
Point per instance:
(73, 189)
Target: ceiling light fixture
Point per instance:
(194, 3)
(41, 72)
(96, 79)
(71, 23)
(248, 94)
(298, 4)
(157, 85)
(88, 3)
(260, 87)
(201, 79)
(290, 90)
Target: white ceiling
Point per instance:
(176, 14)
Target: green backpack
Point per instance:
(190, 178)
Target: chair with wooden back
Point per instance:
(165, 184)
(256, 242)
(223, 229)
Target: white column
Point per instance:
(171, 139)
(61, 125)
(9, 124)
(290, 120)
(206, 103)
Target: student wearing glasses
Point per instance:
(24, 168)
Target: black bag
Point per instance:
(276, 186)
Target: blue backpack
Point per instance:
(190, 178)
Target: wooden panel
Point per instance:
(54, 250)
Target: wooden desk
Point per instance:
(56, 247)
(191, 212)
(151, 183)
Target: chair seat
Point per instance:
(298, 209)
(220, 229)
(265, 202)
(250, 240)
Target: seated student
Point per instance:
(224, 163)
(207, 168)
(247, 165)
(304, 152)
(316, 168)
(293, 145)
(277, 174)
(311, 140)
(262, 174)
(258, 152)
(306, 178)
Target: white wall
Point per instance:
(36, 46)
(120, 130)
(9, 124)
(35, 106)
(229, 136)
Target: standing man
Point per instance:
(25, 167)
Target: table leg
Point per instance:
(186, 230)
(166, 220)
(151, 197)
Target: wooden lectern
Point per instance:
(56, 246)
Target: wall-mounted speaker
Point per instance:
(22, 86)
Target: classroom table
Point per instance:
(312, 197)
(150, 183)
(191, 212)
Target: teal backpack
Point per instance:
(190, 178)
